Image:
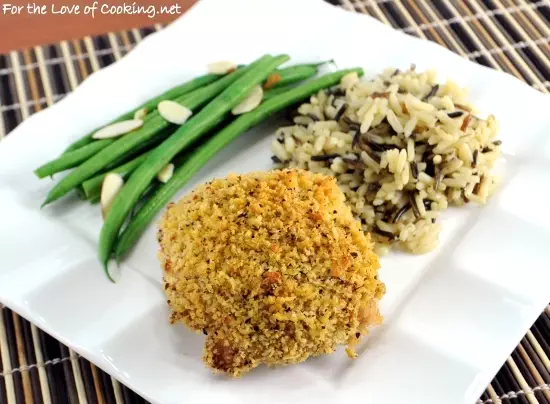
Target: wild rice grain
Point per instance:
(432, 92)
(340, 112)
(420, 205)
(465, 122)
(313, 117)
(401, 212)
(324, 157)
(455, 114)
(414, 170)
(369, 161)
(354, 126)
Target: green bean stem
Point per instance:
(127, 143)
(204, 153)
(184, 136)
(151, 105)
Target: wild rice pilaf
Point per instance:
(271, 266)
(401, 147)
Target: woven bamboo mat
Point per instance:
(508, 35)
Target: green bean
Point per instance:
(124, 166)
(145, 146)
(291, 74)
(147, 194)
(64, 162)
(324, 62)
(204, 153)
(294, 74)
(184, 136)
(87, 139)
(80, 194)
(129, 142)
(276, 91)
(76, 157)
(92, 187)
(151, 105)
(71, 159)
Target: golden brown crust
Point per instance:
(272, 266)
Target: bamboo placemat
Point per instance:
(508, 35)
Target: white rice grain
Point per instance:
(394, 122)
(410, 150)
(367, 119)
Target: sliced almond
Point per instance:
(252, 101)
(174, 112)
(140, 113)
(112, 183)
(118, 129)
(166, 173)
(221, 67)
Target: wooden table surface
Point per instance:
(20, 28)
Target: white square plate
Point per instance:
(452, 316)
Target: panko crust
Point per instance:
(271, 266)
